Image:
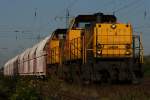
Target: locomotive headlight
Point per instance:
(113, 26)
(99, 52)
(127, 52)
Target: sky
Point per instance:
(21, 28)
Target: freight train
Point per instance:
(95, 48)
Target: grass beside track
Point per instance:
(54, 89)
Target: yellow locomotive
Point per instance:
(94, 48)
(98, 48)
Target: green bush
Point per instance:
(25, 90)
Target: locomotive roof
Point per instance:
(60, 31)
(104, 18)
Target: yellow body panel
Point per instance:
(74, 34)
(113, 41)
(54, 52)
(74, 45)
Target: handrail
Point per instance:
(142, 49)
(75, 50)
(55, 54)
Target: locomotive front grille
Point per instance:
(113, 40)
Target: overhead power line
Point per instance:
(127, 6)
(66, 10)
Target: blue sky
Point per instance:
(18, 15)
